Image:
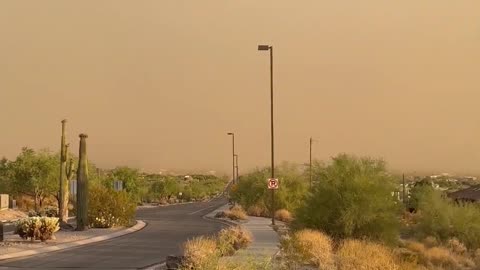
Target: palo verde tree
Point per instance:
(34, 174)
(131, 179)
(351, 197)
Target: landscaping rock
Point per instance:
(174, 262)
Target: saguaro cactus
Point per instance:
(82, 185)
(63, 192)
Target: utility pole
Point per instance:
(311, 176)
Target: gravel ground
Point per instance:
(13, 243)
(9, 214)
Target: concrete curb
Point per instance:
(140, 225)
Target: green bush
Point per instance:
(439, 217)
(351, 197)
(37, 228)
(251, 191)
(107, 208)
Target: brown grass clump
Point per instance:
(415, 247)
(356, 254)
(232, 239)
(236, 213)
(456, 246)
(430, 241)
(257, 211)
(200, 253)
(310, 247)
(283, 215)
(442, 257)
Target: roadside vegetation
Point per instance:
(206, 252)
(32, 179)
(349, 219)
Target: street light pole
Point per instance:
(236, 167)
(270, 48)
(233, 156)
(311, 162)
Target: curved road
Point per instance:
(167, 228)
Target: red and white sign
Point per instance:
(272, 183)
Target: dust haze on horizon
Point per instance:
(158, 84)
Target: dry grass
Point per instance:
(232, 239)
(415, 247)
(356, 254)
(442, 257)
(430, 242)
(283, 215)
(456, 246)
(236, 213)
(200, 253)
(257, 211)
(310, 247)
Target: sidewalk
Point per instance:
(265, 240)
(13, 246)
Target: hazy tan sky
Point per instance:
(158, 84)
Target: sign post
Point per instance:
(272, 184)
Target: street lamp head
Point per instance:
(264, 47)
(230, 133)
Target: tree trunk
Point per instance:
(82, 186)
(35, 202)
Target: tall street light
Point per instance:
(236, 167)
(270, 48)
(233, 156)
(311, 176)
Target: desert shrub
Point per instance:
(283, 215)
(351, 197)
(356, 254)
(416, 247)
(430, 241)
(442, 257)
(108, 208)
(456, 246)
(252, 191)
(258, 210)
(444, 219)
(50, 211)
(249, 263)
(200, 253)
(232, 239)
(37, 228)
(476, 256)
(236, 213)
(308, 247)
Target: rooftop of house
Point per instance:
(471, 193)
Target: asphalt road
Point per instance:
(167, 228)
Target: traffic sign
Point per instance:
(272, 183)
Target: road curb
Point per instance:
(140, 225)
(223, 221)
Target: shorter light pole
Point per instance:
(233, 155)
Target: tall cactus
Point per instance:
(82, 185)
(63, 192)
